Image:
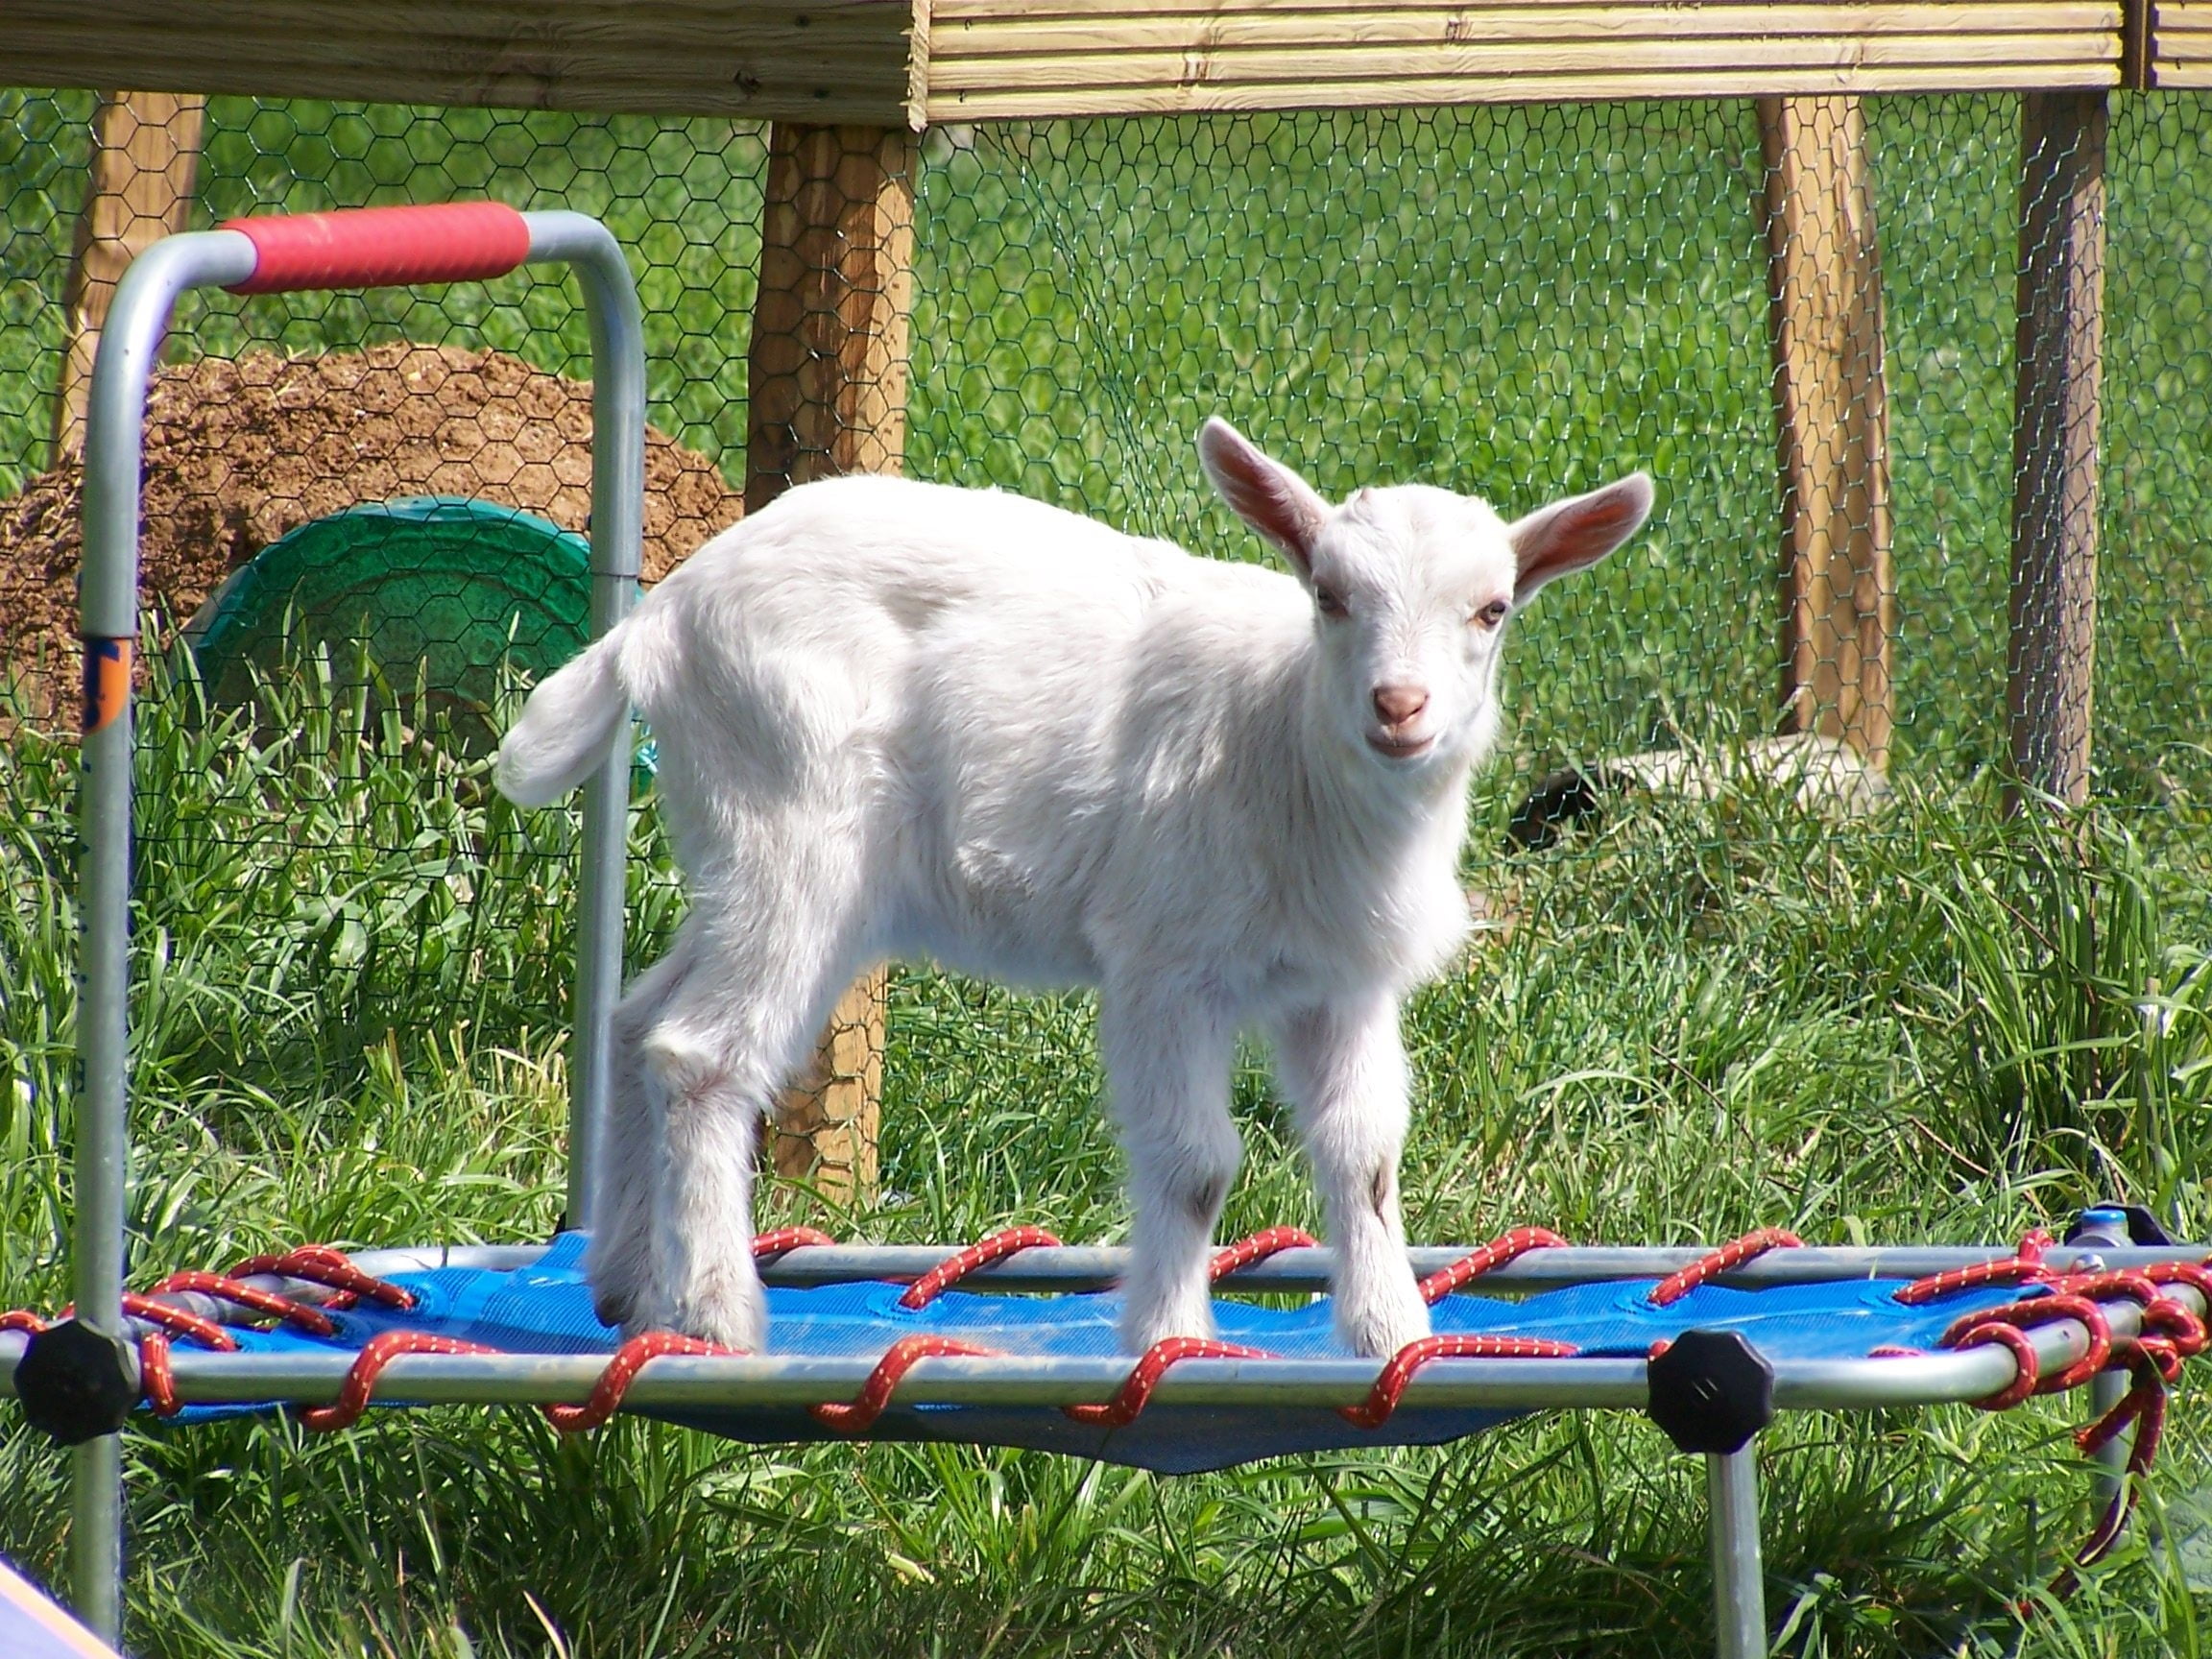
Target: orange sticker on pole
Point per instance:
(106, 682)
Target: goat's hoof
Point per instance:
(647, 1310)
(727, 1312)
(1378, 1327)
(1136, 1335)
(614, 1309)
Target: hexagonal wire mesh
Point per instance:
(1515, 302)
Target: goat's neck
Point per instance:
(1399, 819)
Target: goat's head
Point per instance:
(1412, 588)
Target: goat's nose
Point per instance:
(1399, 704)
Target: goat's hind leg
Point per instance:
(711, 1092)
(627, 1155)
(765, 973)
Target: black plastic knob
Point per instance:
(1711, 1391)
(77, 1383)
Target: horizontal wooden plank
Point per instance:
(719, 17)
(311, 25)
(1588, 87)
(945, 12)
(950, 74)
(848, 61)
(1025, 33)
(476, 88)
(788, 25)
(738, 88)
(852, 61)
(581, 52)
(2181, 46)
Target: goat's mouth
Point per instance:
(1399, 747)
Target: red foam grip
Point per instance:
(382, 247)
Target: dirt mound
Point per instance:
(238, 452)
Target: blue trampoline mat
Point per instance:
(546, 1308)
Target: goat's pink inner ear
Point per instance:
(1574, 534)
(1263, 492)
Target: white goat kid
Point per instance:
(897, 720)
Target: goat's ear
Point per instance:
(1263, 493)
(1574, 534)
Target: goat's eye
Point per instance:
(1490, 615)
(1330, 601)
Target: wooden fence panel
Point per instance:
(1832, 405)
(145, 155)
(2060, 344)
(828, 395)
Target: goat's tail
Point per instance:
(568, 728)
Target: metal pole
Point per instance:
(618, 527)
(2105, 1229)
(127, 347)
(1066, 1269)
(96, 1536)
(2106, 1392)
(1739, 1577)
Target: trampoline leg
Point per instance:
(2106, 1390)
(1739, 1577)
(96, 1535)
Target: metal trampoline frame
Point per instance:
(677, 1382)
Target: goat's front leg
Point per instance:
(1344, 1069)
(1167, 1069)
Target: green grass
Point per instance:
(1930, 1027)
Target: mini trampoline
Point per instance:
(1008, 1341)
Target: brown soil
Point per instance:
(237, 453)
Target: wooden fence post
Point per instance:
(2059, 348)
(827, 388)
(145, 155)
(1824, 287)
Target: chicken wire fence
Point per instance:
(1513, 301)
